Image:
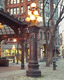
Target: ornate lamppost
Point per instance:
(33, 18)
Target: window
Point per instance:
(11, 1)
(54, 5)
(47, 14)
(11, 11)
(14, 10)
(7, 10)
(17, 10)
(21, 0)
(21, 9)
(44, 35)
(28, 7)
(28, 0)
(7, 1)
(40, 35)
(41, 5)
(14, 1)
(47, 6)
(17, 1)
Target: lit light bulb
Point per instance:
(36, 12)
(27, 19)
(33, 5)
(14, 40)
(39, 19)
(29, 13)
(32, 17)
(1, 26)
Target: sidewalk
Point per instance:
(14, 72)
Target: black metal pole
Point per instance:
(33, 66)
(26, 50)
(17, 52)
(22, 53)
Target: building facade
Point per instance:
(61, 27)
(18, 8)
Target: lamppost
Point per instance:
(33, 17)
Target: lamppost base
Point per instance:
(33, 73)
(33, 70)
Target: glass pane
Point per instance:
(28, 7)
(21, 0)
(11, 1)
(14, 1)
(21, 9)
(17, 10)
(11, 11)
(17, 1)
(14, 10)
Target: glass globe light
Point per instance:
(36, 12)
(14, 40)
(27, 19)
(33, 5)
(32, 17)
(39, 19)
(29, 13)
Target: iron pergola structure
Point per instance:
(13, 28)
(13, 25)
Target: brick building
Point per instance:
(18, 8)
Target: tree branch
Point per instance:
(53, 12)
(59, 19)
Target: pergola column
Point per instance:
(22, 52)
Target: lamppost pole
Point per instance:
(33, 66)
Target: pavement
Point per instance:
(14, 72)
